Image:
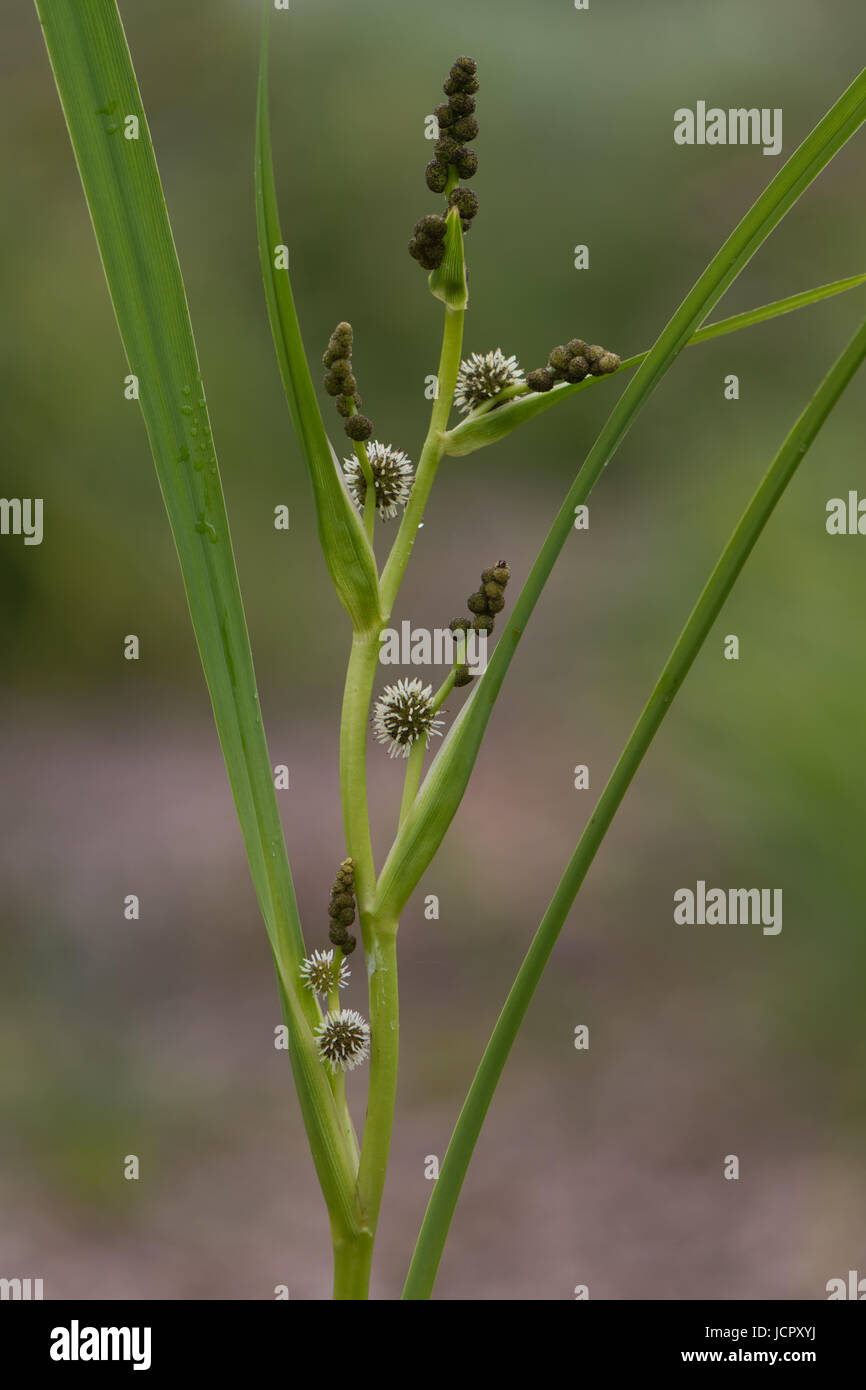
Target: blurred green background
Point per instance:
(155, 1038)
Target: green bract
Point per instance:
(448, 283)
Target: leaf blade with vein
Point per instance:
(346, 548)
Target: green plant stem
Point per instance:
(379, 932)
(369, 509)
(370, 494)
(360, 676)
(445, 1195)
(338, 1079)
(415, 761)
(384, 1052)
(352, 1261)
(470, 435)
(444, 691)
(414, 768)
(431, 456)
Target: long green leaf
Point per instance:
(443, 1200)
(346, 548)
(516, 406)
(98, 91)
(423, 829)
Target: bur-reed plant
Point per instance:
(360, 490)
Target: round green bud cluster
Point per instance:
(572, 361)
(457, 118)
(341, 384)
(428, 244)
(463, 77)
(341, 908)
(488, 599)
(457, 128)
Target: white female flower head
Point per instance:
(404, 713)
(344, 1040)
(392, 474)
(320, 974)
(482, 377)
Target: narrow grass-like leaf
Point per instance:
(443, 1200)
(423, 829)
(346, 548)
(517, 405)
(99, 93)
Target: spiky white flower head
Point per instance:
(320, 974)
(392, 474)
(344, 1040)
(404, 713)
(481, 377)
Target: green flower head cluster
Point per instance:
(452, 160)
(341, 384)
(487, 601)
(341, 908)
(572, 362)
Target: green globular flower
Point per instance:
(344, 1040)
(429, 255)
(559, 359)
(437, 176)
(461, 104)
(483, 376)
(393, 477)
(339, 345)
(465, 201)
(447, 149)
(465, 129)
(428, 244)
(542, 379)
(431, 227)
(358, 427)
(403, 714)
(608, 362)
(321, 974)
(463, 77)
(466, 163)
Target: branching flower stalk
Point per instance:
(353, 496)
